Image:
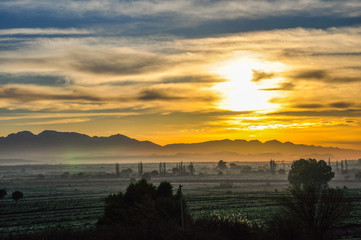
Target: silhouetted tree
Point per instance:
(310, 172)
(162, 168)
(165, 189)
(342, 170)
(337, 167)
(314, 210)
(16, 196)
(117, 172)
(140, 169)
(144, 210)
(309, 206)
(126, 172)
(234, 166)
(273, 165)
(191, 168)
(222, 165)
(147, 176)
(2, 193)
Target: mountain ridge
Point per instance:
(51, 144)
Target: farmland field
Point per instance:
(77, 200)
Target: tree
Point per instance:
(273, 165)
(2, 193)
(191, 168)
(165, 189)
(314, 210)
(17, 195)
(309, 205)
(310, 172)
(222, 165)
(144, 211)
(117, 172)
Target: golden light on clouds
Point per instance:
(300, 85)
(242, 91)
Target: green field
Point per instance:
(77, 203)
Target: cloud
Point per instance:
(152, 94)
(44, 31)
(194, 9)
(59, 121)
(259, 75)
(322, 76)
(311, 74)
(194, 79)
(42, 80)
(24, 94)
(341, 104)
(324, 113)
(285, 86)
(177, 93)
(156, 75)
(309, 105)
(183, 18)
(106, 62)
(338, 54)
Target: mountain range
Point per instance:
(71, 147)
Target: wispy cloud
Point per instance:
(204, 9)
(59, 121)
(44, 31)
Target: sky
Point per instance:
(185, 70)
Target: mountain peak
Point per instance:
(22, 134)
(274, 141)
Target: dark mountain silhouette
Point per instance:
(70, 140)
(52, 146)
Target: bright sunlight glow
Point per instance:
(240, 93)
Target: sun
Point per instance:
(239, 92)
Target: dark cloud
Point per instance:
(224, 26)
(194, 79)
(322, 76)
(191, 79)
(12, 44)
(283, 87)
(173, 94)
(152, 94)
(292, 52)
(317, 105)
(325, 113)
(16, 112)
(260, 75)
(24, 95)
(142, 18)
(311, 74)
(341, 104)
(309, 105)
(338, 54)
(33, 79)
(116, 64)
